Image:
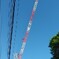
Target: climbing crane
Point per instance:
(19, 55)
(11, 27)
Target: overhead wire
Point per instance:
(0, 35)
(0, 31)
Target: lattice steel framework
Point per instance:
(11, 26)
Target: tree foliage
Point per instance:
(54, 46)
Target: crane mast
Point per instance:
(11, 27)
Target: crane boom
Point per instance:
(27, 31)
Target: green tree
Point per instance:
(54, 46)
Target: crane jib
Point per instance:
(27, 31)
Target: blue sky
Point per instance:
(45, 25)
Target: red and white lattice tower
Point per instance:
(27, 32)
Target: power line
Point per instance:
(0, 35)
(0, 20)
